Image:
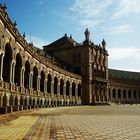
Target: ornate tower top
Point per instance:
(104, 44)
(87, 34)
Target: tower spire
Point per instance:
(87, 38)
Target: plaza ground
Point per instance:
(116, 122)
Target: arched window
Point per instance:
(134, 94)
(114, 93)
(61, 86)
(55, 85)
(73, 89)
(129, 94)
(18, 68)
(49, 83)
(67, 88)
(124, 93)
(7, 63)
(79, 90)
(42, 81)
(27, 74)
(109, 92)
(119, 93)
(35, 77)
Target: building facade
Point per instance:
(63, 73)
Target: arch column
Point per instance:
(38, 83)
(76, 91)
(58, 88)
(22, 76)
(12, 72)
(52, 87)
(30, 80)
(64, 89)
(70, 90)
(1, 66)
(45, 85)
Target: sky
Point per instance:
(117, 21)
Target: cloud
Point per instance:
(90, 12)
(90, 8)
(38, 42)
(89, 23)
(119, 53)
(126, 7)
(119, 29)
(124, 58)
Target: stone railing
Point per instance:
(4, 86)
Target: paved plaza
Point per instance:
(75, 123)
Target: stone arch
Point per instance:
(67, 88)
(55, 84)
(38, 101)
(134, 94)
(35, 77)
(7, 60)
(34, 103)
(41, 101)
(42, 80)
(79, 89)
(27, 74)
(5, 100)
(73, 88)
(18, 68)
(49, 82)
(114, 93)
(11, 100)
(61, 86)
(21, 100)
(25, 101)
(129, 94)
(124, 93)
(119, 93)
(30, 101)
(109, 93)
(16, 101)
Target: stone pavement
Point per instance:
(75, 123)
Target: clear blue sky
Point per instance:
(118, 21)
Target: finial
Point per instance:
(65, 34)
(15, 24)
(87, 33)
(104, 43)
(24, 35)
(4, 6)
(70, 36)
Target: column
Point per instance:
(70, 90)
(38, 83)
(12, 72)
(64, 89)
(22, 76)
(52, 87)
(1, 66)
(45, 85)
(76, 91)
(58, 88)
(30, 80)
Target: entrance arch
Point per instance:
(49, 83)
(27, 74)
(35, 77)
(18, 68)
(7, 63)
(42, 81)
(61, 86)
(67, 88)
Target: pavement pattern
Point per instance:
(120, 122)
